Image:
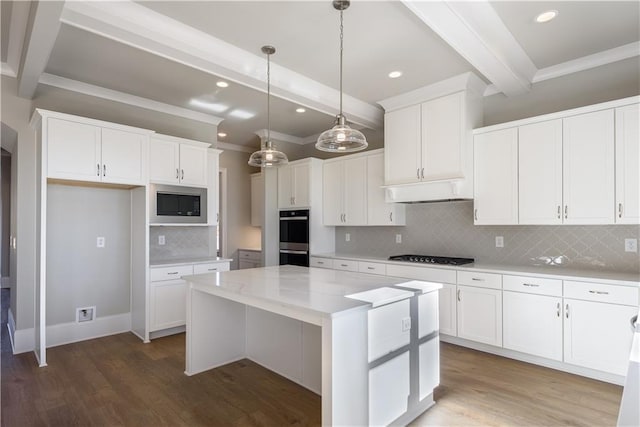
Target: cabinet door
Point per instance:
(378, 211)
(301, 185)
(540, 173)
(164, 161)
(124, 157)
(285, 187)
(588, 168)
(168, 302)
(447, 307)
(193, 165)
(597, 335)
(332, 193)
(480, 314)
(73, 150)
(496, 177)
(257, 200)
(442, 138)
(402, 145)
(532, 324)
(628, 165)
(355, 191)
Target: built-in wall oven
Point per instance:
(294, 237)
(173, 204)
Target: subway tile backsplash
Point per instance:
(447, 229)
(181, 242)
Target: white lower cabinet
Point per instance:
(389, 387)
(533, 324)
(168, 304)
(480, 314)
(447, 308)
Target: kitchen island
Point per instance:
(367, 344)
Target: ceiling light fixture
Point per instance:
(341, 138)
(222, 134)
(546, 16)
(268, 156)
(395, 74)
(300, 110)
(222, 84)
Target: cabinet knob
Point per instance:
(566, 311)
(558, 310)
(177, 173)
(182, 170)
(566, 211)
(619, 210)
(98, 168)
(458, 293)
(559, 211)
(475, 214)
(418, 173)
(104, 170)
(390, 216)
(422, 173)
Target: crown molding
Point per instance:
(137, 26)
(281, 137)
(125, 98)
(233, 147)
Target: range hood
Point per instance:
(430, 192)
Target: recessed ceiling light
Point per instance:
(546, 16)
(241, 114)
(395, 74)
(212, 106)
(300, 110)
(222, 134)
(222, 84)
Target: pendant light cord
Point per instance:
(341, 49)
(269, 101)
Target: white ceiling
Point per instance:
(172, 51)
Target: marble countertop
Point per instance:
(314, 291)
(186, 261)
(611, 277)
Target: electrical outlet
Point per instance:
(347, 237)
(398, 238)
(100, 242)
(499, 242)
(85, 314)
(406, 324)
(161, 240)
(631, 245)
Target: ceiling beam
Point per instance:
(140, 27)
(476, 32)
(17, 29)
(42, 29)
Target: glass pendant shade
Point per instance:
(341, 138)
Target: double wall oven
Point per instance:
(294, 237)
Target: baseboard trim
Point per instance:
(536, 360)
(67, 333)
(166, 332)
(22, 340)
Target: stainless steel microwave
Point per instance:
(172, 204)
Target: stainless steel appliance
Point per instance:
(630, 405)
(428, 259)
(172, 204)
(294, 237)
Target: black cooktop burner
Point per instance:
(427, 259)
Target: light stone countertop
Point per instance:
(187, 261)
(604, 276)
(315, 292)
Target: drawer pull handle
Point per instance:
(182, 177)
(422, 173)
(475, 214)
(599, 292)
(390, 216)
(559, 211)
(459, 295)
(370, 268)
(558, 310)
(619, 210)
(531, 285)
(344, 265)
(566, 311)
(320, 262)
(173, 273)
(566, 211)
(212, 269)
(177, 174)
(476, 279)
(418, 173)
(98, 169)
(104, 170)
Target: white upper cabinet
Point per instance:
(82, 150)
(344, 187)
(540, 173)
(378, 211)
(628, 165)
(293, 185)
(496, 177)
(178, 161)
(402, 140)
(588, 168)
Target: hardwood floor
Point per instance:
(118, 380)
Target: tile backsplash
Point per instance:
(447, 229)
(181, 242)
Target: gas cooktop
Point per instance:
(428, 259)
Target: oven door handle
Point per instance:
(288, 251)
(294, 218)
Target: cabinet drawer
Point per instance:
(532, 285)
(372, 267)
(321, 262)
(211, 267)
(346, 265)
(625, 295)
(480, 280)
(250, 255)
(170, 273)
(422, 273)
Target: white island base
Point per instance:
(373, 357)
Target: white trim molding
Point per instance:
(280, 137)
(66, 333)
(125, 98)
(233, 147)
(22, 340)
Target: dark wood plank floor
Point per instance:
(118, 380)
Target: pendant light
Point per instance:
(268, 156)
(341, 138)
